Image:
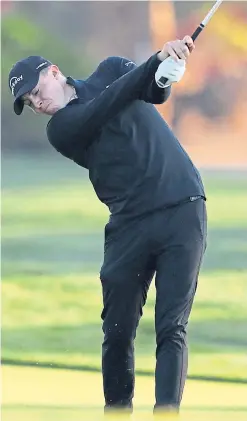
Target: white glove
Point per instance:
(170, 69)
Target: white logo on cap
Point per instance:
(129, 63)
(42, 64)
(13, 82)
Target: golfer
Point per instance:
(139, 170)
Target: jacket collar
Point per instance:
(75, 83)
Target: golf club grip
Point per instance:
(197, 31)
(195, 34)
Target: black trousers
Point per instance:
(170, 244)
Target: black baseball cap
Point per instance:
(24, 76)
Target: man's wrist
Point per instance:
(162, 56)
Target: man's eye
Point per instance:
(27, 102)
(36, 92)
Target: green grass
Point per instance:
(52, 250)
(33, 394)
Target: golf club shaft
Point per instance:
(206, 20)
(198, 30)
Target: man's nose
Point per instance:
(38, 103)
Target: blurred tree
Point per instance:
(21, 38)
(162, 29)
(212, 95)
(105, 28)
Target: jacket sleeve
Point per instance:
(79, 123)
(151, 93)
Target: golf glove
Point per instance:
(170, 69)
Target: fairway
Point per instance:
(52, 250)
(34, 394)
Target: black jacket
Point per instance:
(135, 162)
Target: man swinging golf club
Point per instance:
(157, 226)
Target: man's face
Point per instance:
(48, 96)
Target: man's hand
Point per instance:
(170, 70)
(179, 49)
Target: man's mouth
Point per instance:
(47, 107)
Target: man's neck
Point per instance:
(70, 93)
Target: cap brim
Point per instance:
(18, 106)
(18, 103)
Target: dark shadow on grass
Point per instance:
(210, 335)
(222, 334)
(81, 339)
(62, 254)
(226, 249)
(55, 254)
(87, 368)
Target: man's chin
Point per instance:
(51, 110)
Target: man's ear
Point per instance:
(55, 71)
